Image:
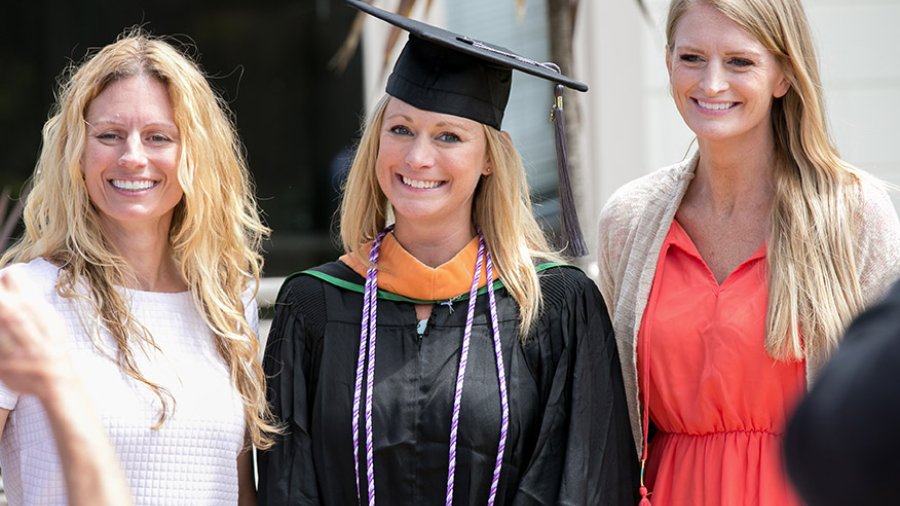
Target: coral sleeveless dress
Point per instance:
(718, 401)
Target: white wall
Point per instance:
(859, 48)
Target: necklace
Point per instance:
(366, 362)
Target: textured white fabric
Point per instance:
(192, 459)
(635, 221)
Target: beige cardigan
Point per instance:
(635, 221)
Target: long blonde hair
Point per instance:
(814, 288)
(216, 231)
(502, 208)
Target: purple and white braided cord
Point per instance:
(367, 347)
(461, 372)
(501, 378)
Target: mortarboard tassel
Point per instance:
(575, 245)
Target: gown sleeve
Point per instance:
(585, 453)
(287, 475)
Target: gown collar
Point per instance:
(401, 273)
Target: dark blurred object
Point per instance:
(843, 444)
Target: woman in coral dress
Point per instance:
(731, 275)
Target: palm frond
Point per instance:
(341, 58)
(645, 11)
(520, 9)
(11, 219)
(4, 203)
(404, 9)
(343, 55)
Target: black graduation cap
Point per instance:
(445, 72)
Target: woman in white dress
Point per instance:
(143, 236)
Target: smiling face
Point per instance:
(130, 159)
(723, 79)
(429, 165)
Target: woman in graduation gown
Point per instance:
(449, 358)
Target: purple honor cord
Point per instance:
(501, 379)
(367, 347)
(367, 358)
(461, 372)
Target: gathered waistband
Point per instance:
(722, 433)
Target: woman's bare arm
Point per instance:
(33, 361)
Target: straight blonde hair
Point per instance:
(814, 289)
(216, 231)
(501, 208)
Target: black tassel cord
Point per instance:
(575, 245)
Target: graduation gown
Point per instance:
(569, 439)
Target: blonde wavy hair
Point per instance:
(501, 208)
(814, 288)
(216, 231)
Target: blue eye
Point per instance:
(158, 138)
(108, 136)
(448, 137)
(400, 130)
(741, 62)
(690, 58)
